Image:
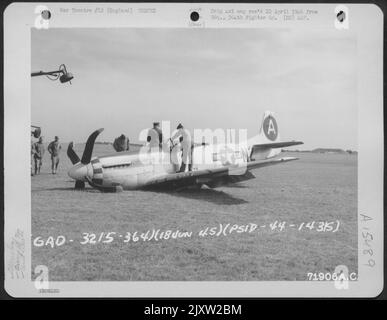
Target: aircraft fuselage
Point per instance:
(134, 170)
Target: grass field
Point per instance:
(318, 187)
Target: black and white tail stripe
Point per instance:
(97, 172)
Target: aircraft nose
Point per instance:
(79, 172)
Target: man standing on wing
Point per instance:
(186, 144)
(54, 148)
(155, 137)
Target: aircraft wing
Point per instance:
(274, 145)
(209, 176)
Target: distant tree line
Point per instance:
(323, 150)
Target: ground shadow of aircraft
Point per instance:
(90, 190)
(209, 195)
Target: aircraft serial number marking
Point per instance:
(155, 235)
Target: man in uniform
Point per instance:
(38, 155)
(32, 152)
(186, 146)
(155, 137)
(54, 148)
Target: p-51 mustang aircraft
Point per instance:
(212, 165)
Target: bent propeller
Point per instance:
(86, 157)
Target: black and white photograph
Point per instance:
(225, 154)
(233, 153)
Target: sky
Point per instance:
(127, 78)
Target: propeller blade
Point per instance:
(86, 157)
(79, 185)
(71, 154)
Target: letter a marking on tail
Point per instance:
(270, 128)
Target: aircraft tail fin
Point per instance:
(269, 129)
(268, 143)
